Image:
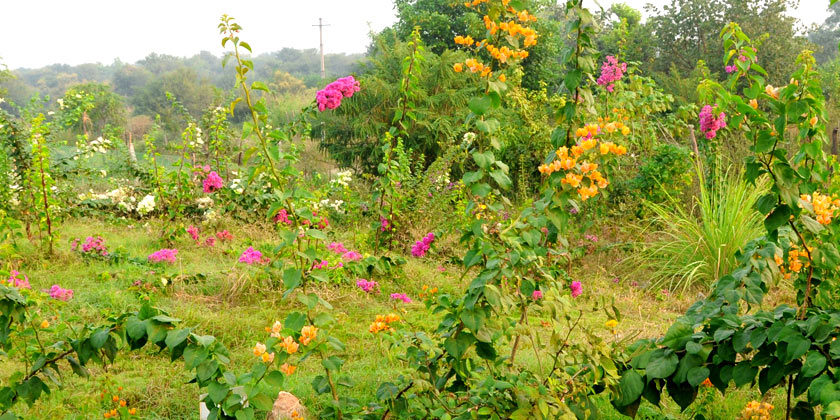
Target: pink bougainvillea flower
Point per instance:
(400, 296)
(16, 281)
(330, 96)
(611, 72)
(420, 247)
(351, 256)
(165, 254)
(60, 293)
(537, 295)
(193, 232)
(224, 235)
(709, 123)
(368, 286)
(213, 182)
(577, 288)
(252, 256)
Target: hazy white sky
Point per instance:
(41, 32)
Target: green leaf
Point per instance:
(262, 402)
(175, 337)
(631, 387)
(484, 160)
(663, 362)
(294, 321)
(257, 85)
(501, 178)
(97, 339)
(678, 335)
(797, 347)
(275, 378)
(473, 318)
(480, 105)
(778, 217)
(332, 363)
(472, 177)
(291, 280)
(814, 364)
(697, 375)
(573, 79)
(743, 373)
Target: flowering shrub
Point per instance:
(330, 96)
(93, 246)
(383, 323)
(165, 254)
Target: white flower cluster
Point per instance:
(442, 180)
(469, 138)
(210, 216)
(146, 205)
(100, 145)
(236, 186)
(60, 103)
(198, 141)
(333, 204)
(342, 178)
(204, 202)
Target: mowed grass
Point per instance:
(209, 292)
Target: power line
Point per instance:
(320, 26)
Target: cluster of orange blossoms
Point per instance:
(798, 260)
(578, 169)
(513, 28)
(431, 291)
(824, 206)
(120, 404)
(383, 323)
(755, 410)
(288, 344)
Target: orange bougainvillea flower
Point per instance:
(458, 67)
(287, 369)
(307, 334)
(754, 103)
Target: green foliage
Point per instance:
(694, 246)
(664, 174)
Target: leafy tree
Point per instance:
(827, 35)
(108, 108)
(193, 91)
(439, 21)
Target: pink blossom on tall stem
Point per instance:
(60, 293)
(577, 288)
(213, 182)
(165, 254)
(709, 124)
(611, 72)
(330, 96)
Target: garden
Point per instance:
(461, 229)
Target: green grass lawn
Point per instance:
(209, 292)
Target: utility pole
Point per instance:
(320, 26)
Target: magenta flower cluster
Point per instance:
(420, 247)
(611, 72)
(213, 182)
(330, 97)
(282, 216)
(384, 224)
(346, 254)
(577, 288)
(537, 295)
(164, 255)
(93, 245)
(401, 296)
(59, 293)
(252, 256)
(368, 286)
(709, 124)
(731, 69)
(193, 232)
(16, 281)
